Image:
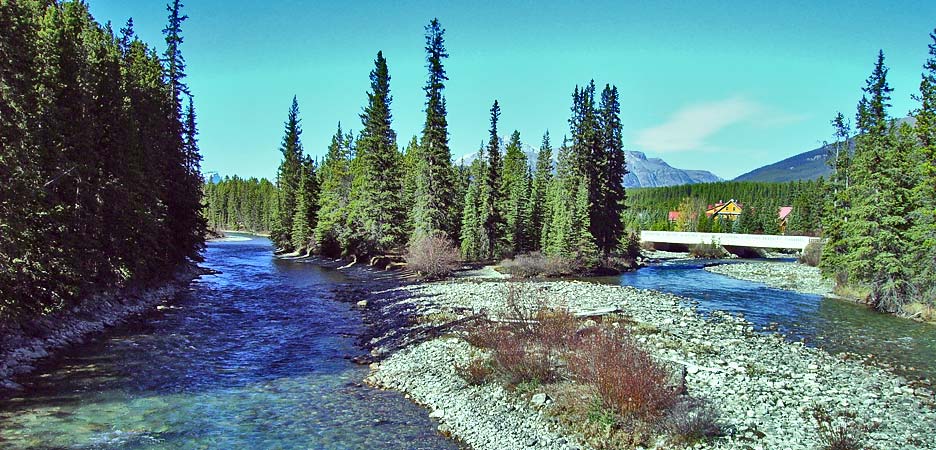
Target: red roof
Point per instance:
(785, 211)
(674, 215)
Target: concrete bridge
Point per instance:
(728, 239)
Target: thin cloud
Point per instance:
(690, 127)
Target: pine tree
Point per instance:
(335, 187)
(287, 180)
(607, 223)
(375, 216)
(412, 161)
(473, 239)
(924, 229)
(304, 217)
(541, 180)
(435, 207)
(492, 195)
(515, 184)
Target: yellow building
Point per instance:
(724, 210)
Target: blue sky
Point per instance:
(725, 87)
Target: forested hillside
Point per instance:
(237, 204)
(99, 160)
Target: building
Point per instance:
(784, 214)
(725, 210)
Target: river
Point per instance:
(834, 325)
(253, 357)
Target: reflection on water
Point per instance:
(834, 325)
(253, 357)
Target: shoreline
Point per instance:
(415, 342)
(789, 276)
(46, 336)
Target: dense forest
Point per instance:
(99, 158)
(368, 197)
(240, 205)
(880, 219)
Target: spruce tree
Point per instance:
(607, 224)
(492, 194)
(287, 180)
(435, 206)
(376, 217)
(515, 184)
(473, 240)
(335, 187)
(924, 229)
(304, 217)
(541, 179)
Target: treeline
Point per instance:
(649, 207)
(98, 157)
(367, 197)
(240, 204)
(880, 220)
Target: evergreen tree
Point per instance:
(304, 217)
(492, 195)
(607, 225)
(516, 186)
(473, 239)
(412, 161)
(287, 180)
(924, 228)
(435, 209)
(375, 217)
(541, 180)
(335, 187)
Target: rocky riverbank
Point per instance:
(764, 387)
(781, 275)
(23, 344)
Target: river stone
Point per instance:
(539, 399)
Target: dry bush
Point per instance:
(838, 432)
(432, 257)
(811, 254)
(486, 335)
(627, 380)
(537, 265)
(477, 372)
(522, 361)
(691, 421)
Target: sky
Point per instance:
(719, 86)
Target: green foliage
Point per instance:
(376, 219)
(516, 184)
(435, 207)
(240, 205)
(330, 236)
(541, 179)
(99, 159)
(287, 180)
(491, 205)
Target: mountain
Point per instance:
(644, 172)
(654, 172)
(804, 166)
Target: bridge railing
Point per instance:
(730, 239)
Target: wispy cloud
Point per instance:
(691, 126)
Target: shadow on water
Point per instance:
(834, 325)
(252, 357)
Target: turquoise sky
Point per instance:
(725, 87)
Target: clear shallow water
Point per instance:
(834, 325)
(254, 357)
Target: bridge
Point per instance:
(728, 239)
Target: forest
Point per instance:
(366, 197)
(99, 158)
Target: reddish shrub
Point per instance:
(537, 265)
(521, 360)
(627, 380)
(477, 372)
(432, 257)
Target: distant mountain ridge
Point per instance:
(644, 172)
(804, 166)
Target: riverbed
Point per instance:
(255, 356)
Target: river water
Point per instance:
(834, 325)
(253, 357)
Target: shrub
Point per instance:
(486, 335)
(627, 380)
(477, 372)
(711, 250)
(837, 432)
(811, 254)
(521, 360)
(432, 257)
(691, 421)
(537, 265)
